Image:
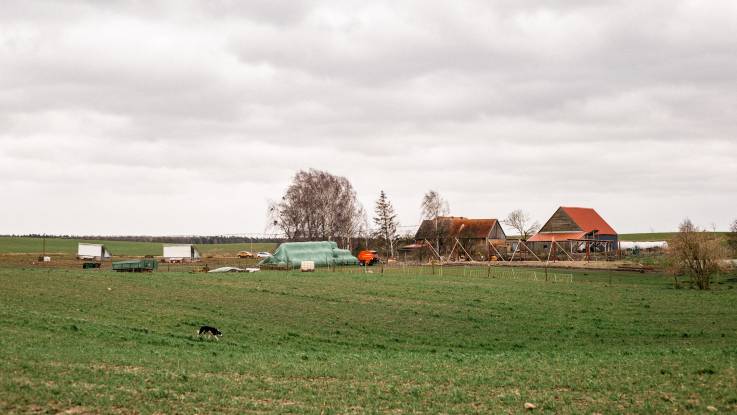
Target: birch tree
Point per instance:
(434, 207)
(318, 206)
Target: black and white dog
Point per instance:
(211, 331)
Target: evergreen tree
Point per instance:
(386, 222)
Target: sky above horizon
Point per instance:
(187, 117)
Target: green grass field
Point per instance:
(657, 236)
(17, 245)
(331, 342)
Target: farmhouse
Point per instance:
(181, 253)
(460, 237)
(92, 251)
(575, 229)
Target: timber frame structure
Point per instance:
(454, 238)
(577, 250)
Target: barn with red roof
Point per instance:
(575, 229)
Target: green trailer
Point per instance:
(136, 265)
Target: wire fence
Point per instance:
(470, 271)
(394, 269)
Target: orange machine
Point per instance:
(368, 258)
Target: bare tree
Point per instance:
(434, 207)
(386, 220)
(520, 221)
(318, 206)
(696, 253)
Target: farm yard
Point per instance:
(337, 342)
(368, 208)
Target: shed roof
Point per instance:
(456, 226)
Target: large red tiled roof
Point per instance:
(588, 220)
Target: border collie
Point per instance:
(210, 331)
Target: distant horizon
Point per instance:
(102, 237)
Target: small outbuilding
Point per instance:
(93, 251)
(181, 253)
(460, 236)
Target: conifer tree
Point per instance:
(386, 222)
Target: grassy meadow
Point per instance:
(26, 245)
(656, 236)
(334, 342)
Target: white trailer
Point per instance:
(624, 245)
(92, 251)
(181, 253)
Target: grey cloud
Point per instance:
(498, 105)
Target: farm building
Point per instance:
(92, 251)
(181, 253)
(460, 237)
(574, 230)
(291, 254)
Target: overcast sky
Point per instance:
(187, 117)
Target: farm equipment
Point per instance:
(91, 265)
(368, 258)
(136, 265)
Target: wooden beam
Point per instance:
(433, 250)
(464, 249)
(564, 251)
(450, 256)
(516, 248)
(530, 250)
(497, 252)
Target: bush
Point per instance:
(697, 254)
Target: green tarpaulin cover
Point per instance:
(291, 254)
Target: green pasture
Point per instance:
(657, 236)
(340, 342)
(26, 245)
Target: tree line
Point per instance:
(196, 240)
(320, 206)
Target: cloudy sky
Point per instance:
(187, 117)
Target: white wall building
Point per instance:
(181, 253)
(643, 245)
(92, 251)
